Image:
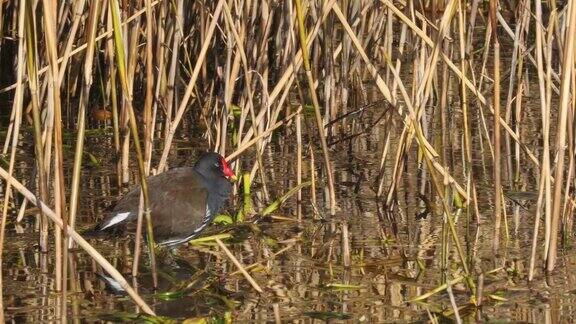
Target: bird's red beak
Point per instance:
(228, 173)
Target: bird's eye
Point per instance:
(217, 165)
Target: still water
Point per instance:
(395, 252)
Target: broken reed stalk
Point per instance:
(259, 263)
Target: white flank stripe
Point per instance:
(200, 228)
(173, 242)
(176, 241)
(120, 217)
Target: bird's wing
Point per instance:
(170, 191)
(179, 213)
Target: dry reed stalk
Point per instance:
(17, 109)
(396, 170)
(541, 190)
(110, 269)
(126, 81)
(240, 267)
(230, 69)
(137, 246)
(109, 51)
(437, 289)
(453, 304)
(546, 110)
(444, 84)
(383, 157)
(569, 203)
(84, 101)
(168, 96)
(312, 178)
(83, 46)
(75, 189)
(147, 131)
(497, 213)
(238, 41)
(1, 25)
(277, 317)
(161, 63)
(9, 133)
(450, 221)
(565, 95)
(149, 84)
(267, 132)
(525, 50)
(299, 165)
(517, 177)
(471, 86)
(55, 104)
(319, 122)
(387, 94)
(47, 135)
(32, 68)
(467, 133)
(78, 13)
(189, 87)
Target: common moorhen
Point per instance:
(183, 201)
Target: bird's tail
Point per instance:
(91, 232)
(98, 231)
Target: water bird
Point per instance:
(183, 201)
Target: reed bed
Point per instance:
(246, 75)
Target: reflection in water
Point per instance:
(363, 264)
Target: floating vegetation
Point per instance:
(397, 160)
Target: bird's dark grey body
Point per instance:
(183, 201)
